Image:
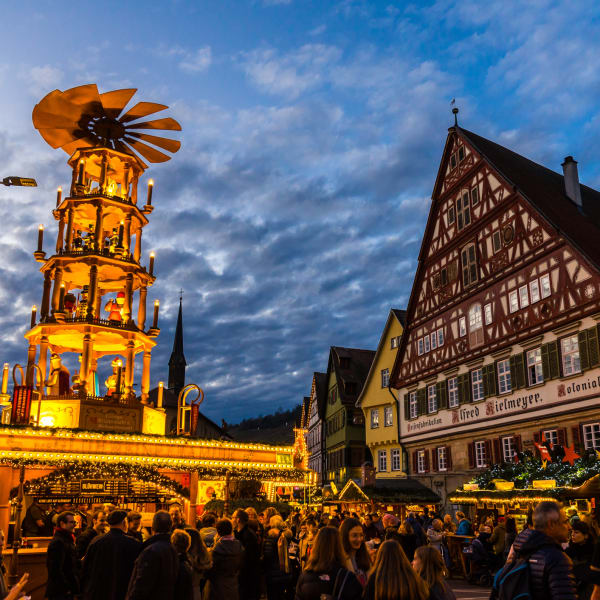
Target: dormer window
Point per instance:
(461, 153)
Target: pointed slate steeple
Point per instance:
(177, 362)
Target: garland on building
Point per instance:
(529, 468)
(74, 470)
(81, 469)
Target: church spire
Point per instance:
(177, 362)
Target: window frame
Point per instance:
(477, 385)
(420, 347)
(453, 398)
(382, 461)
(503, 374)
(413, 403)
(475, 195)
(534, 284)
(508, 444)
(513, 301)
(426, 344)
(594, 435)
(385, 378)
(545, 286)
(462, 326)
(496, 241)
(565, 355)
(421, 462)
(480, 454)
(374, 418)
(469, 268)
(536, 365)
(553, 437)
(433, 339)
(442, 456)
(451, 215)
(440, 337)
(463, 210)
(488, 316)
(395, 456)
(388, 411)
(432, 399)
(524, 296)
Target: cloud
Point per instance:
(43, 79)
(197, 61)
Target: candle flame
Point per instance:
(151, 182)
(62, 284)
(33, 308)
(119, 363)
(81, 161)
(41, 228)
(122, 222)
(161, 384)
(156, 303)
(59, 188)
(152, 255)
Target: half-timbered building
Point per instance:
(501, 344)
(315, 438)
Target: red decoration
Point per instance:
(544, 453)
(570, 454)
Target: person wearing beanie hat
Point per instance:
(109, 561)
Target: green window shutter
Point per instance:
(593, 348)
(584, 356)
(442, 394)
(464, 388)
(406, 407)
(545, 362)
(554, 359)
(517, 371)
(422, 401)
(489, 380)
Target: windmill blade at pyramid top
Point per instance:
(83, 118)
(114, 102)
(142, 109)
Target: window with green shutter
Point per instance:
(406, 407)
(550, 360)
(584, 357)
(593, 347)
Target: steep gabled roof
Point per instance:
(543, 188)
(351, 365)
(319, 387)
(394, 313)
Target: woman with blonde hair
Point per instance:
(428, 563)
(325, 574)
(392, 577)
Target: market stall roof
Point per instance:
(589, 489)
(401, 491)
(505, 496)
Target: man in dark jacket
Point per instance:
(227, 558)
(61, 560)
(249, 578)
(551, 573)
(109, 561)
(155, 571)
(84, 539)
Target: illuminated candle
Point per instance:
(155, 320)
(61, 298)
(58, 195)
(159, 400)
(121, 230)
(33, 314)
(119, 375)
(150, 186)
(40, 238)
(80, 173)
(4, 378)
(151, 267)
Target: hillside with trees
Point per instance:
(274, 429)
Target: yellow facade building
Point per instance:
(379, 403)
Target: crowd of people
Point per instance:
(312, 556)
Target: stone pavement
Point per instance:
(466, 591)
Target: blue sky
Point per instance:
(312, 132)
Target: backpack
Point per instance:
(513, 581)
